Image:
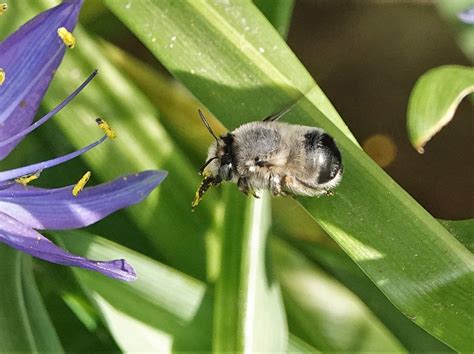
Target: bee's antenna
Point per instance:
(207, 124)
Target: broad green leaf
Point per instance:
(244, 75)
(322, 311)
(278, 12)
(335, 262)
(163, 311)
(434, 100)
(178, 108)
(248, 311)
(463, 230)
(24, 323)
(297, 345)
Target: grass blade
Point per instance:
(323, 312)
(163, 311)
(24, 323)
(248, 312)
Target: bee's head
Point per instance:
(219, 163)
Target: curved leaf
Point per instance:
(24, 323)
(335, 262)
(244, 75)
(248, 313)
(434, 100)
(325, 313)
(163, 311)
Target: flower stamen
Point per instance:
(21, 171)
(24, 180)
(67, 37)
(3, 8)
(44, 119)
(2, 76)
(81, 183)
(106, 128)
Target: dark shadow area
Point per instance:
(367, 56)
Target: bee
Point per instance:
(287, 159)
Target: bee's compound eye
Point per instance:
(226, 172)
(331, 163)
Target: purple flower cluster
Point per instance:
(28, 59)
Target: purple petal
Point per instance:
(58, 209)
(49, 115)
(467, 15)
(23, 171)
(25, 239)
(30, 57)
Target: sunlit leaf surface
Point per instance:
(249, 314)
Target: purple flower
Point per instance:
(28, 60)
(467, 15)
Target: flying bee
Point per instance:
(287, 159)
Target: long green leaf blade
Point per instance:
(163, 311)
(24, 323)
(434, 100)
(249, 315)
(325, 313)
(243, 75)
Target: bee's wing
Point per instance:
(275, 116)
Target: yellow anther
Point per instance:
(67, 37)
(80, 185)
(2, 76)
(106, 128)
(3, 8)
(24, 180)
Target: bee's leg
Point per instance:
(246, 188)
(286, 182)
(243, 185)
(275, 185)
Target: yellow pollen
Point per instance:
(106, 128)
(2, 76)
(67, 37)
(3, 8)
(80, 185)
(24, 180)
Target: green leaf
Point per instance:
(248, 312)
(434, 100)
(323, 312)
(24, 323)
(335, 262)
(163, 311)
(297, 345)
(278, 12)
(463, 230)
(245, 75)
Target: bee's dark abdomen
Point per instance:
(328, 155)
(311, 139)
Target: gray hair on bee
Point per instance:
(287, 159)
